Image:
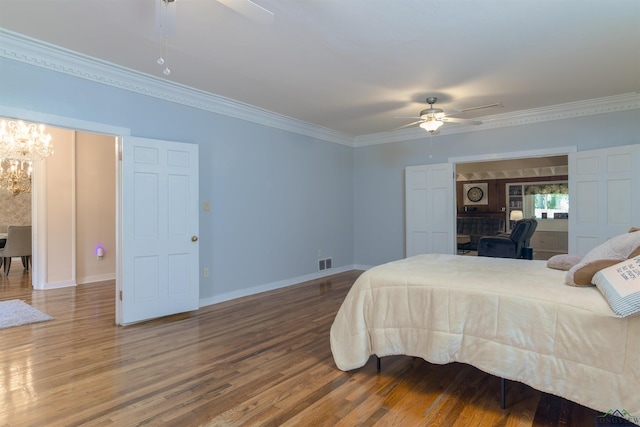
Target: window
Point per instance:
(549, 201)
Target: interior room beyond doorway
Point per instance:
(495, 191)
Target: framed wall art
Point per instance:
(476, 194)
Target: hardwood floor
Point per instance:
(261, 360)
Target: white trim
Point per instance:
(62, 121)
(609, 104)
(544, 152)
(62, 284)
(39, 226)
(25, 49)
(119, 226)
(83, 280)
(228, 296)
(362, 267)
(17, 47)
(73, 207)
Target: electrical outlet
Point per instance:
(205, 273)
(319, 253)
(207, 206)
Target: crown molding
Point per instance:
(27, 50)
(610, 104)
(18, 47)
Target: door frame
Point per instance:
(38, 189)
(544, 152)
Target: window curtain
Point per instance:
(561, 188)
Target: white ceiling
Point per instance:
(354, 65)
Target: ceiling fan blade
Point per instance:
(464, 110)
(407, 117)
(249, 9)
(407, 125)
(461, 121)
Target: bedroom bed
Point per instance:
(516, 319)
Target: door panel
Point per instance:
(602, 201)
(160, 271)
(430, 218)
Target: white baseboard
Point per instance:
(96, 278)
(62, 284)
(228, 296)
(362, 267)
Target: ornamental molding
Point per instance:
(30, 51)
(610, 104)
(18, 47)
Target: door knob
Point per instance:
(194, 238)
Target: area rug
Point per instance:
(17, 313)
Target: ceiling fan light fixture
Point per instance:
(431, 125)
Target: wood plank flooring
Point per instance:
(263, 360)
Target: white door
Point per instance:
(429, 209)
(159, 229)
(604, 201)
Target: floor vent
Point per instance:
(324, 264)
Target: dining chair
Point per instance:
(18, 245)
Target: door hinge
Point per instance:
(120, 155)
(120, 295)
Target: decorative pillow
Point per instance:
(620, 285)
(612, 251)
(563, 261)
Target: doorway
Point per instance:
(62, 210)
(496, 177)
(74, 211)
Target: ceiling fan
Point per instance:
(431, 118)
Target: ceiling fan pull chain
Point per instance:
(164, 35)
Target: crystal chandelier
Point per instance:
(20, 144)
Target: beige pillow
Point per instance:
(563, 261)
(605, 255)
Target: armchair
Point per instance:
(508, 245)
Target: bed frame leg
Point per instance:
(503, 396)
(377, 363)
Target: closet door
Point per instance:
(603, 195)
(429, 209)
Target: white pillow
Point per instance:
(620, 285)
(611, 252)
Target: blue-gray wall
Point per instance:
(379, 169)
(278, 197)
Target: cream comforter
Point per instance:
(515, 319)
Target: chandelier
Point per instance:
(21, 144)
